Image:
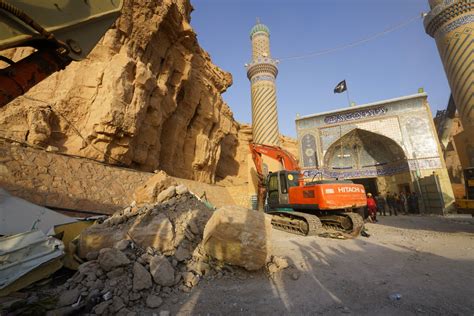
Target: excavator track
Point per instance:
(297, 223)
(340, 225)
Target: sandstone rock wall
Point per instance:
(75, 183)
(147, 97)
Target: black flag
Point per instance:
(341, 87)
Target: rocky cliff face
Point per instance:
(147, 97)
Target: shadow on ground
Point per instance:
(334, 277)
(429, 223)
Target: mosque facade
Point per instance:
(389, 146)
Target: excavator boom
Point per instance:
(60, 30)
(284, 157)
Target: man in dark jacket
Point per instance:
(381, 204)
(392, 203)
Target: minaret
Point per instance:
(262, 72)
(451, 24)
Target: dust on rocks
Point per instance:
(143, 257)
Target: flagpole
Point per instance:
(348, 97)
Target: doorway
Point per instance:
(370, 184)
(405, 188)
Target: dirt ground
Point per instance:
(429, 261)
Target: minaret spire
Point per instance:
(262, 72)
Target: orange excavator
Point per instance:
(313, 208)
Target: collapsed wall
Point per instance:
(147, 97)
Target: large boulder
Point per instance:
(152, 230)
(150, 190)
(238, 236)
(146, 230)
(99, 236)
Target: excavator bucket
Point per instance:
(79, 24)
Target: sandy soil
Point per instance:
(429, 261)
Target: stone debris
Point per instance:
(68, 297)
(143, 257)
(153, 301)
(181, 189)
(276, 264)
(122, 245)
(110, 258)
(141, 277)
(162, 271)
(166, 194)
(149, 191)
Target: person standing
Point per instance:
(395, 200)
(414, 199)
(410, 208)
(372, 208)
(401, 202)
(390, 202)
(381, 203)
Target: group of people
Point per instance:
(394, 203)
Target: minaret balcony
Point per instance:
(262, 65)
(444, 12)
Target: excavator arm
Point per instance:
(287, 160)
(59, 30)
(284, 157)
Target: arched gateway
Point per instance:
(363, 155)
(389, 145)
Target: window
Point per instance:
(273, 183)
(283, 186)
(293, 179)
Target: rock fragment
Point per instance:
(182, 253)
(181, 189)
(166, 194)
(122, 245)
(162, 271)
(190, 280)
(141, 278)
(153, 230)
(117, 304)
(153, 301)
(92, 255)
(68, 297)
(110, 258)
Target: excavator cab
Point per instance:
(278, 184)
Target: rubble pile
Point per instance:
(175, 223)
(140, 256)
(144, 257)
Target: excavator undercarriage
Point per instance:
(337, 224)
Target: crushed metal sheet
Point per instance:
(24, 253)
(18, 216)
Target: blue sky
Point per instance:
(390, 66)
